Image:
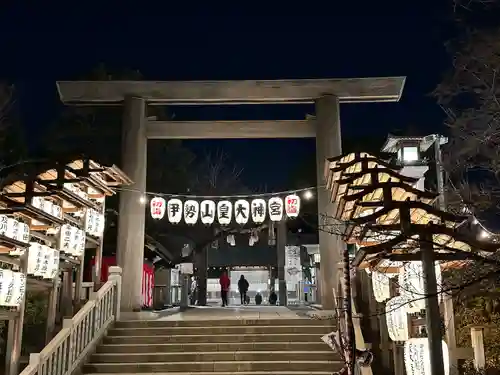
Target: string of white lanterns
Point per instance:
(224, 211)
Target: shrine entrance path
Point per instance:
(234, 313)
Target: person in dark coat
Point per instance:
(243, 288)
(225, 283)
(273, 298)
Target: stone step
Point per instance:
(241, 373)
(253, 356)
(210, 367)
(261, 337)
(227, 330)
(218, 323)
(213, 347)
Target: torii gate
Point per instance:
(134, 96)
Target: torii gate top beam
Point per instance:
(290, 91)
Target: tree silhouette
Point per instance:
(470, 97)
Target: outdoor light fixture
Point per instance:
(142, 199)
(484, 234)
(408, 154)
(308, 194)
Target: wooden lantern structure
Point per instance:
(392, 221)
(76, 186)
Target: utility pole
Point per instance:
(448, 310)
(432, 314)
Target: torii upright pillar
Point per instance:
(328, 144)
(131, 220)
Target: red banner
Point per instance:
(148, 275)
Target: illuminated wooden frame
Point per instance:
(370, 195)
(41, 180)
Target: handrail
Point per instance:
(80, 334)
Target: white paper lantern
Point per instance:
(397, 319)
(191, 211)
(98, 226)
(23, 234)
(54, 266)
(76, 242)
(3, 225)
(49, 255)
(46, 261)
(275, 207)
(6, 286)
(258, 208)
(12, 228)
(207, 212)
(35, 259)
(292, 205)
(83, 240)
(37, 202)
(66, 238)
(241, 211)
(381, 286)
(90, 221)
(411, 283)
(48, 207)
(57, 211)
(224, 212)
(19, 289)
(158, 207)
(174, 211)
(417, 357)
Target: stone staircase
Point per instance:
(216, 347)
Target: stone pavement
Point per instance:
(208, 313)
(233, 313)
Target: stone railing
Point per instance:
(80, 334)
(86, 292)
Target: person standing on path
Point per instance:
(224, 282)
(243, 289)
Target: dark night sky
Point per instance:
(52, 42)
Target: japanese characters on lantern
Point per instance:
(11, 228)
(191, 211)
(241, 211)
(292, 205)
(158, 207)
(397, 319)
(12, 288)
(174, 211)
(417, 357)
(225, 211)
(275, 206)
(207, 212)
(259, 210)
(94, 222)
